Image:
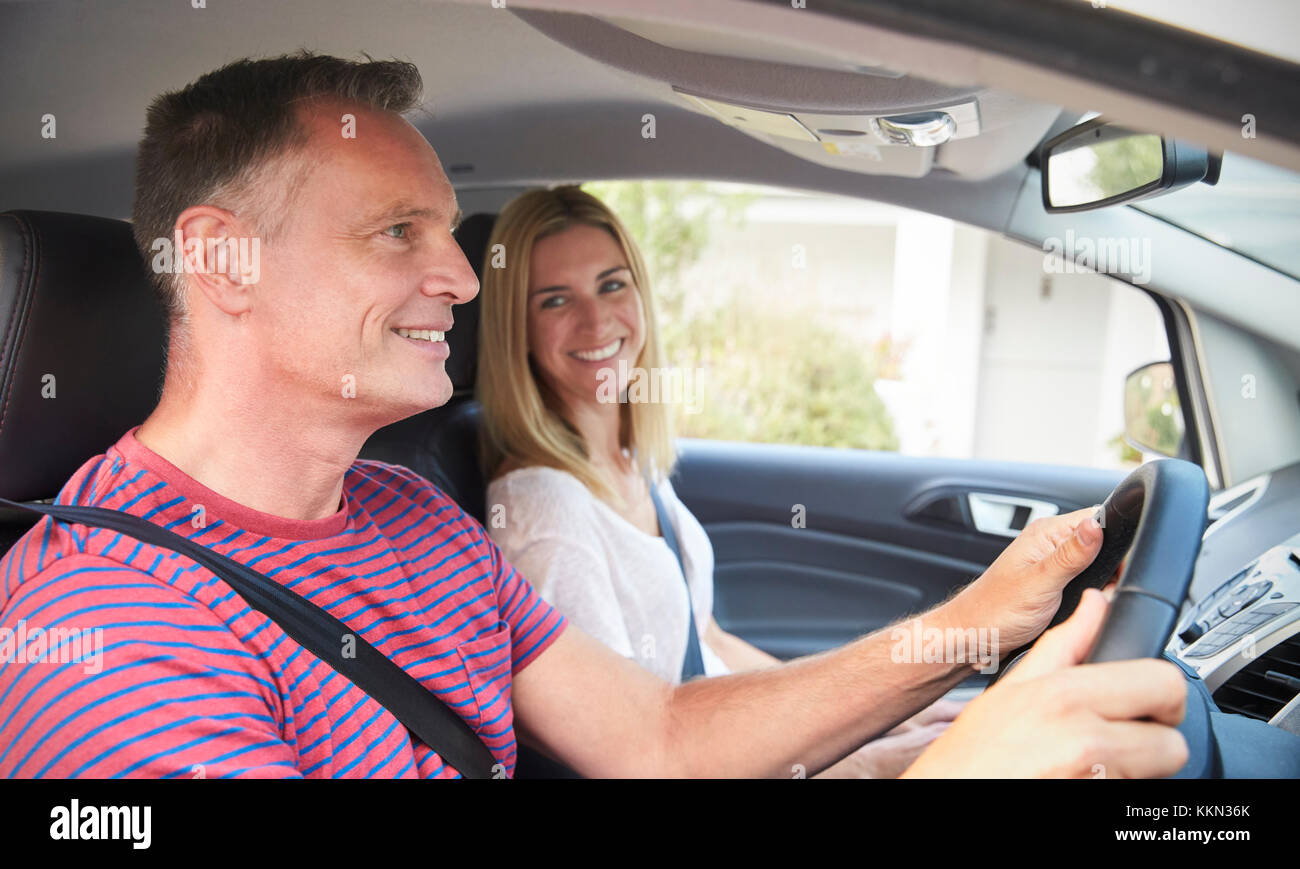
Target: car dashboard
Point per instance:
(1242, 636)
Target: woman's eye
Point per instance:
(552, 302)
(401, 230)
(611, 286)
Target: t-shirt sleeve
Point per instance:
(109, 673)
(533, 623)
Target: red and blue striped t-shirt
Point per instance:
(118, 658)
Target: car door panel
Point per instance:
(814, 547)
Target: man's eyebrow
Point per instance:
(404, 209)
(600, 277)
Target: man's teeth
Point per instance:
(421, 334)
(599, 353)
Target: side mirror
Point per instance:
(1097, 164)
(1153, 417)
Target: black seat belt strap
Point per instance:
(418, 708)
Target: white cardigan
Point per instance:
(609, 578)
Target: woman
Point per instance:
(567, 324)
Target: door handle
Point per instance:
(1006, 515)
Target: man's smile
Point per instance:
(432, 342)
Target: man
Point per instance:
(272, 387)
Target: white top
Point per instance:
(609, 578)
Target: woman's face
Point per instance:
(584, 315)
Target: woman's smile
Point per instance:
(598, 354)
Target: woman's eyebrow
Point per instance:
(600, 277)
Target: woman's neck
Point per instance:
(600, 427)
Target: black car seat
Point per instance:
(81, 350)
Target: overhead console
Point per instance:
(847, 113)
(897, 144)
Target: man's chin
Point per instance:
(408, 401)
(434, 395)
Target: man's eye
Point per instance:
(401, 230)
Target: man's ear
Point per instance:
(217, 256)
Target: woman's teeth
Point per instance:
(600, 353)
(421, 334)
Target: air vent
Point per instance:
(1263, 687)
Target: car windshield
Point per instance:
(1253, 210)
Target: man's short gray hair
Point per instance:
(229, 139)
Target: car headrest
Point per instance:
(472, 234)
(81, 359)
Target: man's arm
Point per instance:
(605, 716)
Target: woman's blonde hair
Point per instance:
(522, 417)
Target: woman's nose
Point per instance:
(591, 314)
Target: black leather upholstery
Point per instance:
(441, 445)
(81, 351)
(82, 354)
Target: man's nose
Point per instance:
(451, 274)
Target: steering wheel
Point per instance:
(1156, 516)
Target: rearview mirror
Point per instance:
(1097, 164)
(1153, 417)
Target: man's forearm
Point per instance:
(809, 712)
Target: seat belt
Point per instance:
(693, 665)
(418, 708)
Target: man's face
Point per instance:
(366, 250)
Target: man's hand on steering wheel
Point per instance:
(1054, 717)
(1021, 590)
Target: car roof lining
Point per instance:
(550, 113)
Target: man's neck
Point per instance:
(271, 456)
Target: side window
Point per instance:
(830, 321)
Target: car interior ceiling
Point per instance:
(566, 83)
